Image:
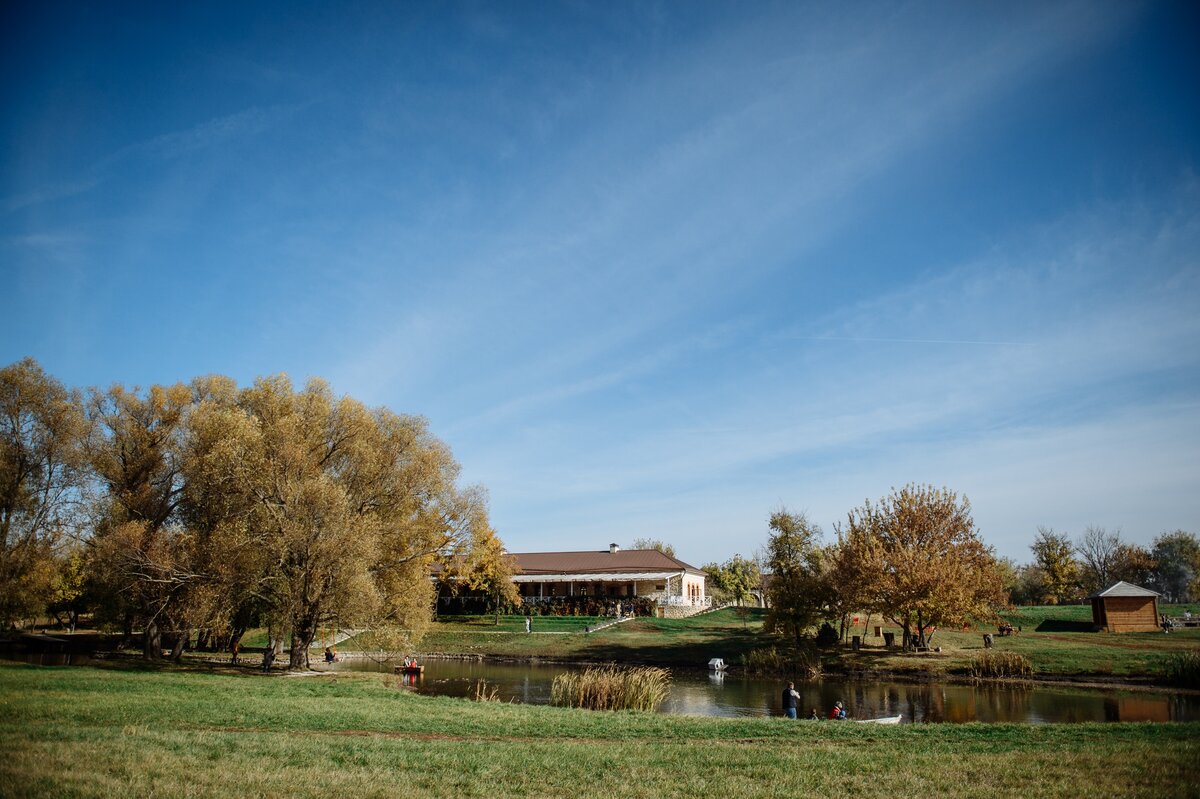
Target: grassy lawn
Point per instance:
(668, 642)
(89, 732)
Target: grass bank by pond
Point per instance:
(686, 643)
(89, 732)
(1057, 642)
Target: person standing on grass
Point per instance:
(528, 624)
(789, 700)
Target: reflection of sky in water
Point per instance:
(699, 694)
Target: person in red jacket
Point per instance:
(838, 711)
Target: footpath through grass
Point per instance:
(91, 732)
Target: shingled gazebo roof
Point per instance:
(1123, 588)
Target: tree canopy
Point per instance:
(212, 508)
(799, 592)
(921, 561)
(41, 475)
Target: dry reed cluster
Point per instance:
(485, 692)
(802, 663)
(1000, 664)
(1183, 668)
(612, 688)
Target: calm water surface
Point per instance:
(697, 694)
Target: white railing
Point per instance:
(683, 601)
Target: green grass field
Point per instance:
(667, 642)
(91, 732)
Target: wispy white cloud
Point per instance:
(888, 412)
(651, 220)
(211, 133)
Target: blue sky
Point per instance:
(651, 270)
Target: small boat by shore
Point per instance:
(884, 720)
(410, 669)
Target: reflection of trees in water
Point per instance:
(1007, 703)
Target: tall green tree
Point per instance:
(735, 580)
(41, 476)
(1054, 554)
(653, 543)
(1177, 565)
(799, 591)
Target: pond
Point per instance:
(698, 694)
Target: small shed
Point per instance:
(1125, 608)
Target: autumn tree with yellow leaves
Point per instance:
(919, 560)
(41, 476)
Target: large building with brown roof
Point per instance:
(612, 574)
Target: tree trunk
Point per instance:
(152, 641)
(181, 644)
(235, 637)
(303, 633)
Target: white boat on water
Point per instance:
(884, 720)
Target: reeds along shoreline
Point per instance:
(1001, 664)
(1183, 669)
(612, 688)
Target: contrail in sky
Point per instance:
(914, 341)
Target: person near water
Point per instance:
(528, 624)
(789, 700)
(815, 715)
(329, 656)
(838, 711)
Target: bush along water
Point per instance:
(612, 688)
(1001, 664)
(804, 664)
(1183, 669)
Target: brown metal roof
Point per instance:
(599, 562)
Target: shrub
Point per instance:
(1000, 664)
(827, 636)
(802, 663)
(1183, 669)
(611, 688)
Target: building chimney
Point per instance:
(614, 548)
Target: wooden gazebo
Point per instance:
(1125, 608)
